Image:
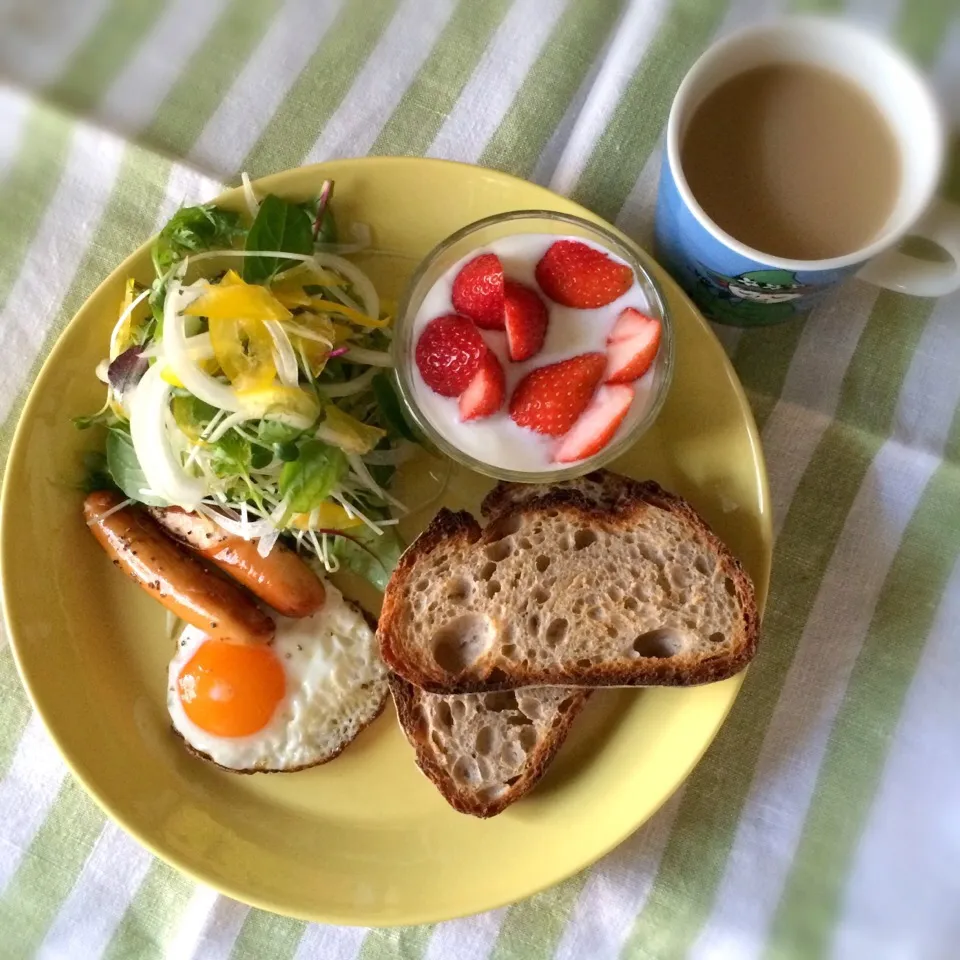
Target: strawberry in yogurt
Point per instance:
(535, 352)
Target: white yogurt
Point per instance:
(497, 440)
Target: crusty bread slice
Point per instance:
(483, 751)
(601, 581)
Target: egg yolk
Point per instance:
(231, 689)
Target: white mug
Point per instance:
(734, 283)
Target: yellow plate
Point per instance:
(366, 839)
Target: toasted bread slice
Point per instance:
(484, 751)
(602, 581)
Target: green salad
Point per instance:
(250, 382)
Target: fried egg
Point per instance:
(293, 703)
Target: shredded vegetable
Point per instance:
(255, 395)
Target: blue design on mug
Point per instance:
(727, 286)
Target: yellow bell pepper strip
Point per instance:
(348, 433)
(354, 316)
(328, 516)
(236, 312)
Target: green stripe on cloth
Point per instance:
(716, 791)
(28, 188)
(864, 728)
(762, 359)
(631, 135)
(16, 709)
(395, 943)
(97, 62)
(208, 76)
(322, 84)
(267, 935)
(126, 222)
(417, 119)
(532, 929)
(550, 86)
(163, 895)
(49, 870)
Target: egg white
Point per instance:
(336, 684)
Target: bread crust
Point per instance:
(407, 699)
(615, 504)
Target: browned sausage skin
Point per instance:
(280, 579)
(171, 575)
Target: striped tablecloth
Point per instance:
(825, 819)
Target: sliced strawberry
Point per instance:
(448, 354)
(576, 275)
(549, 399)
(597, 425)
(631, 346)
(485, 394)
(525, 319)
(478, 291)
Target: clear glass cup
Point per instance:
(480, 234)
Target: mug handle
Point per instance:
(922, 278)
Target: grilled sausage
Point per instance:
(281, 579)
(173, 576)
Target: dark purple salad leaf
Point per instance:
(126, 370)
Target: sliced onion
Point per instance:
(149, 405)
(286, 360)
(361, 282)
(181, 359)
(376, 358)
(118, 326)
(249, 196)
(366, 478)
(238, 528)
(349, 387)
(267, 542)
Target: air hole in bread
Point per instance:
(499, 551)
(611, 631)
(533, 623)
(729, 586)
(553, 514)
(614, 593)
(702, 565)
(556, 631)
(488, 570)
(528, 738)
(518, 720)
(461, 642)
(663, 642)
(444, 716)
(542, 562)
(421, 585)
(509, 650)
(530, 707)
(511, 781)
(594, 613)
(484, 742)
(465, 771)
(511, 755)
(716, 638)
(496, 675)
(437, 740)
(498, 702)
(493, 588)
(540, 595)
(493, 792)
(458, 589)
(565, 705)
(501, 528)
(578, 606)
(584, 662)
(524, 544)
(459, 709)
(583, 539)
